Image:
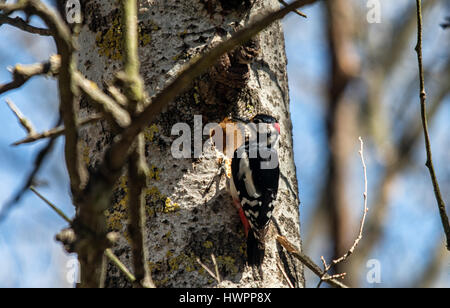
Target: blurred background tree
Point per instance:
(348, 78)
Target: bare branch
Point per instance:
(56, 26)
(403, 151)
(105, 104)
(26, 124)
(67, 92)
(108, 252)
(30, 179)
(423, 103)
(22, 73)
(361, 227)
(366, 209)
(55, 132)
(117, 95)
(309, 263)
(91, 252)
(137, 170)
(137, 165)
(116, 261)
(134, 86)
(280, 267)
(21, 24)
(52, 206)
(216, 268)
(65, 47)
(296, 11)
(210, 272)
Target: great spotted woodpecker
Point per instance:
(254, 182)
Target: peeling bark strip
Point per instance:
(182, 226)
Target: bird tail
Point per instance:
(255, 248)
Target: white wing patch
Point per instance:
(244, 171)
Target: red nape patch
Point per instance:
(277, 127)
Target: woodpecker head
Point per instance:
(267, 119)
(262, 124)
(267, 126)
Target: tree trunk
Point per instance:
(182, 225)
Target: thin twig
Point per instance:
(423, 103)
(22, 73)
(284, 274)
(208, 270)
(309, 263)
(326, 266)
(366, 209)
(26, 124)
(65, 47)
(137, 170)
(137, 164)
(216, 178)
(21, 24)
(134, 86)
(50, 204)
(216, 267)
(295, 11)
(336, 276)
(117, 95)
(29, 180)
(116, 261)
(108, 252)
(56, 132)
(403, 151)
(112, 111)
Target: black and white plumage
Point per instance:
(254, 183)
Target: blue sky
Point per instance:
(32, 259)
